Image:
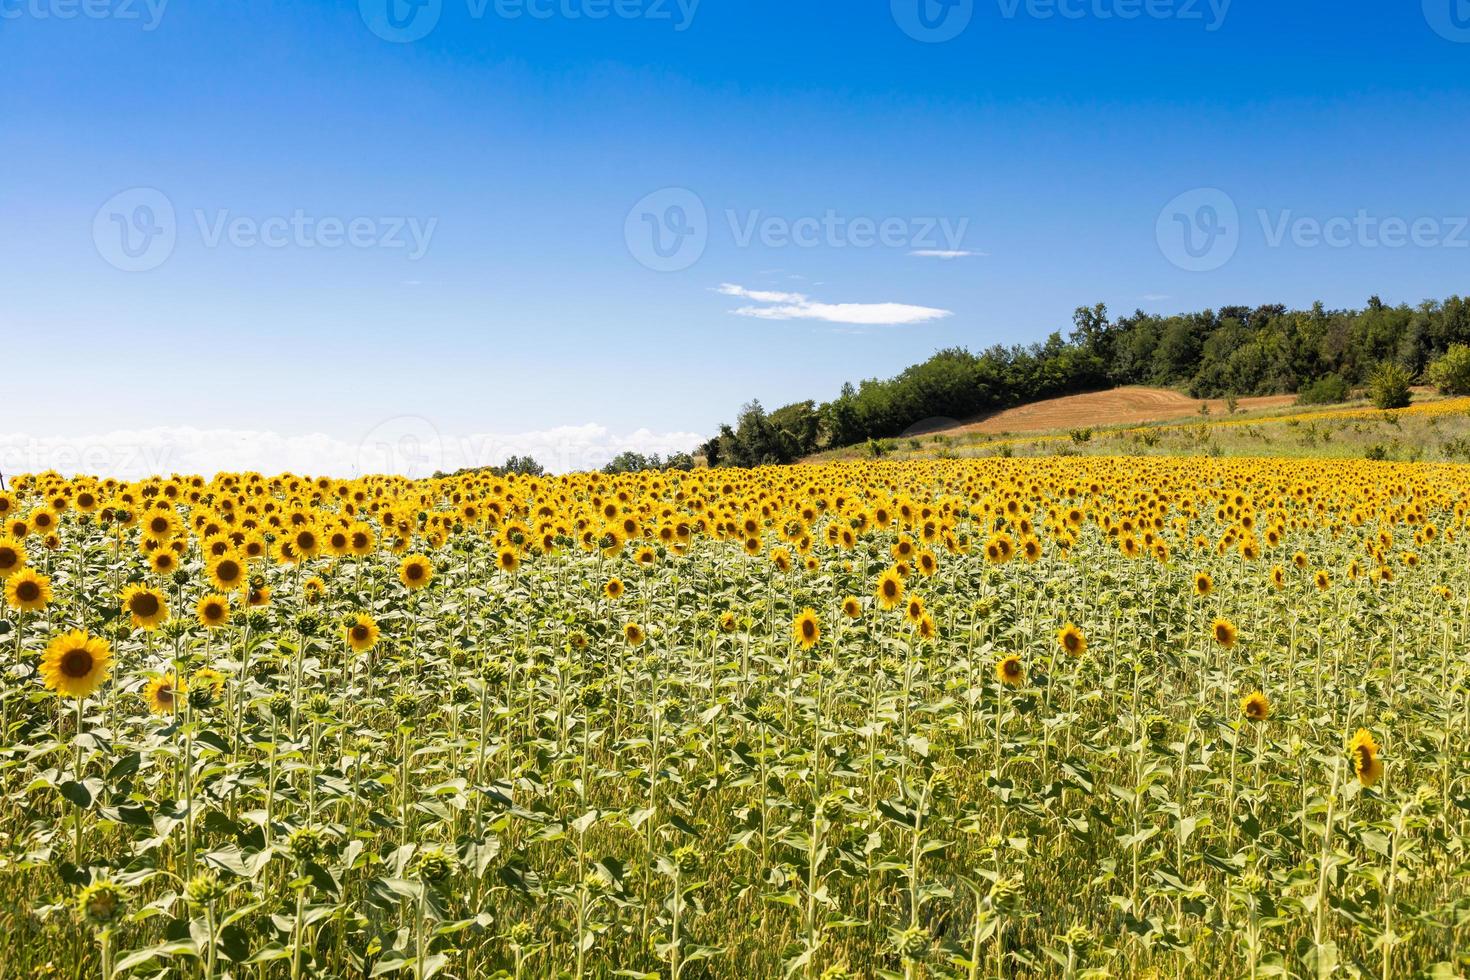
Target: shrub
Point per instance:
(1326, 390)
(1451, 373)
(1389, 386)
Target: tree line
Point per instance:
(1236, 350)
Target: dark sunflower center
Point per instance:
(8, 558)
(77, 663)
(28, 591)
(228, 571)
(360, 633)
(808, 629)
(144, 605)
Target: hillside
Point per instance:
(1120, 406)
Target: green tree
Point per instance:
(1389, 387)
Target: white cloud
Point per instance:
(796, 306)
(407, 445)
(946, 253)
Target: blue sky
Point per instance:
(501, 176)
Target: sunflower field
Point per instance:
(1048, 717)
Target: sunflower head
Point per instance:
(1363, 754)
(806, 630)
(28, 590)
(146, 607)
(12, 556)
(613, 589)
(162, 694)
(851, 608)
(75, 664)
(634, 635)
(102, 903)
(1255, 706)
(1224, 632)
(1070, 639)
(1010, 671)
(415, 572)
(361, 633)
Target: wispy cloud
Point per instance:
(1153, 297)
(798, 306)
(946, 253)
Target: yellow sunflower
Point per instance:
(1224, 632)
(12, 557)
(213, 611)
(75, 664)
(890, 588)
(806, 629)
(28, 590)
(146, 607)
(1070, 639)
(1010, 671)
(361, 632)
(1363, 752)
(613, 589)
(415, 572)
(162, 694)
(1255, 706)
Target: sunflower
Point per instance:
(508, 560)
(613, 589)
(727, 622)
(914, 610)
(851, 608)
(1278, 576)
(925, 628)
(28, 590)
(163, 561)
(146, 607)
(1203, 584)
(75, 664)
(1363, 751)
(1224, 632)
(890, 588)
(162, 694)
(314, 588)
(1070, 639)
(415, 572)
(213, 611)
(634, 635)
(1255, 706)
(1322, 580)
(806, 629)
(999, 549)
(227, 572)
(361, 632)
(12, 557)
(1010, 671)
